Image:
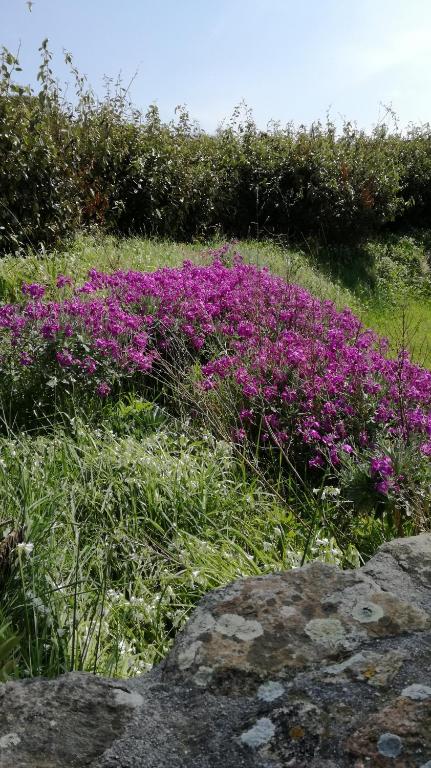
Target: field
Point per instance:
(123, 503)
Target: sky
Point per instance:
(289, 60)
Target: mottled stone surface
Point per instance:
(48, 723)
(312, 668)
(276, 625)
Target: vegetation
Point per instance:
(176, 412)
(121, 511)
(126, 526)
(103, 163)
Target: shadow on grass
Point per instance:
(353, 266)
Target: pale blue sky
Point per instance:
(288, 60)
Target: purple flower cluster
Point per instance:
(307, 376)
(383, 471)
(34, 290)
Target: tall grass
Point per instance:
(125, 527)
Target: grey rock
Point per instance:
(312, 668)
(403, 566)
(51, 723)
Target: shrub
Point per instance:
(38, 159)
(104, 163)
(415, 165)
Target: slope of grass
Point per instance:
(405, 323)
(383, 281)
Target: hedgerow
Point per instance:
(104, 163)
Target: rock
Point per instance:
(50, 723)
(276, 625)
(403, 566)
(312, 668)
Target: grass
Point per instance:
(130, 524)
(107, 253)
(132, 514)
(407, 323)
(85, 252)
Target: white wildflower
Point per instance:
(25, 548)
(122, 647)
(331, 491)
(111, 594)
(137, 600)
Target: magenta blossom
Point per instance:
(382, 466)
(63, 280)
(34, 290)
(103, 389)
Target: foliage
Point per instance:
(38, 160)
(9, 642)
(164, 432)
(103, 163)
(415, 163)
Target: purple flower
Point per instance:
(63, 280)
(294, 363)
(316, 461)
(25, 359)
(239, 435)
(207, 385)
(64, 358)
(382, 487)
(103, 389)
(363, 438)
(89, 365)
(382, 466)
(34, 290)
